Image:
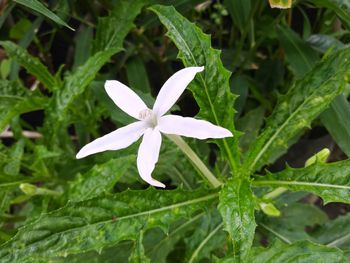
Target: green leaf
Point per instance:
(236, 206)
(137, 75)
(14, 163)
(250, 123)
(240, 12)
(335, 233)
(323, 43)
(30, 63)
(329, 181)
(111, 30)
(138, 254)
(340, 7)
(102, 222)
(305, 100)
(74, 86)
(99, 179)
(82, 50)
(300, 56)
(14, 100)
(40, 8)
(211, 88)
(207, 238)
(293, 221)
(166, 242)
(336, 121)
(302, 252)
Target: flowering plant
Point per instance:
(243, 157)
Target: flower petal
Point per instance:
(173, 88)
(190, 127)
(125, 98)
(148, 155)
(119, 139)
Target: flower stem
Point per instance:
(195, 160)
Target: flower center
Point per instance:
(148, 116)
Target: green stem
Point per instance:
(275, 193)
(195, 160)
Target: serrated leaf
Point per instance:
(236, 206)
(74, 86)
(211, 88)
(111, 30)
(40, 8)
(301, 252)
(14, 163)
(302, 58)
(15, 100)
(30, 63)
(330, 181)
(295, 111)
(99, 179)
(102, 222)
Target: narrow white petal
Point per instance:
(125, 98)
(173, 88)
(148, 155)
(190, 127)
(119, 139)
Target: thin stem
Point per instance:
(195, 160)
(275, 193)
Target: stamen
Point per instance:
(144, 114)
(148, 116)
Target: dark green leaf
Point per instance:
(207, 237)
(138, 254)
(102, 222)
(336, 120)
(137, 75)
(323, 43)
(300, 56)
(293, 221)
(40, 8)
(30, 63)
(340, 7)
(210, 88)
(329, 181)
(236, 206)
(239, 11)
(111, 30)
(301, 252)
(99, 179)
(295, 111)
(335, 233)
(14, 100)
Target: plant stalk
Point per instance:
(195, 160)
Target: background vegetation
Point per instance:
(290, 71)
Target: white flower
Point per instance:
(152, 122)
